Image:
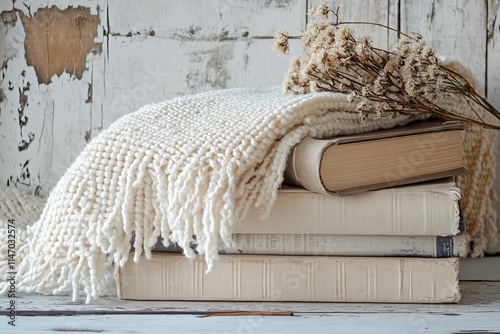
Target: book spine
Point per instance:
(348, 245)
(169, 276)
(302, 168)
(305, 164)
(456, 246)
(340, 245)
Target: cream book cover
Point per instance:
(170, 276)
(422, 209)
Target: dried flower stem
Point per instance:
(376, 24)
(408, 79)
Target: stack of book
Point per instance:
(368, 218)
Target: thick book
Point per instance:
(170, 276)
(350, 164)
(429, 208)
(341, 245)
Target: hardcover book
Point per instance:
(170, 276)
(350, 164)
(429, 209)
(341, 245)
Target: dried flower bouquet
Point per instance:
(407, 79)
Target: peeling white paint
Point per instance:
(208, 19)
(30, 7)
(57, 117)
(19, 167)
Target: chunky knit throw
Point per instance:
(187, 170)
(191, 166)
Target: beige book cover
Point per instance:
(421, 209)
(170, 276)
(351, 164)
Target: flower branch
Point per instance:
(407, 79)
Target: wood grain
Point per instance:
(476, 297)
(300, 323)
(58, 41)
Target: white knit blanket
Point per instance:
(187, 170)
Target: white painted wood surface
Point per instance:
(477, 297)
(300, 323)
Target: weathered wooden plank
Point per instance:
(192, 67)
(46, 116)
(205, 20)
(454, 28)
(383, 12)
(193, 46)
(300, 323)
(476, 297)
(20, 118)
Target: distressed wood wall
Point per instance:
(68, 68)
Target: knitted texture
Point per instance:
(476, 185)
(191, 166)
(19, 205)
(18, 209)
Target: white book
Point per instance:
(422, 209)
(170, 276)
(349, 245)
(341, 245)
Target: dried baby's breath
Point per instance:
(320, 11)
(281, 42)
(407, 79)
